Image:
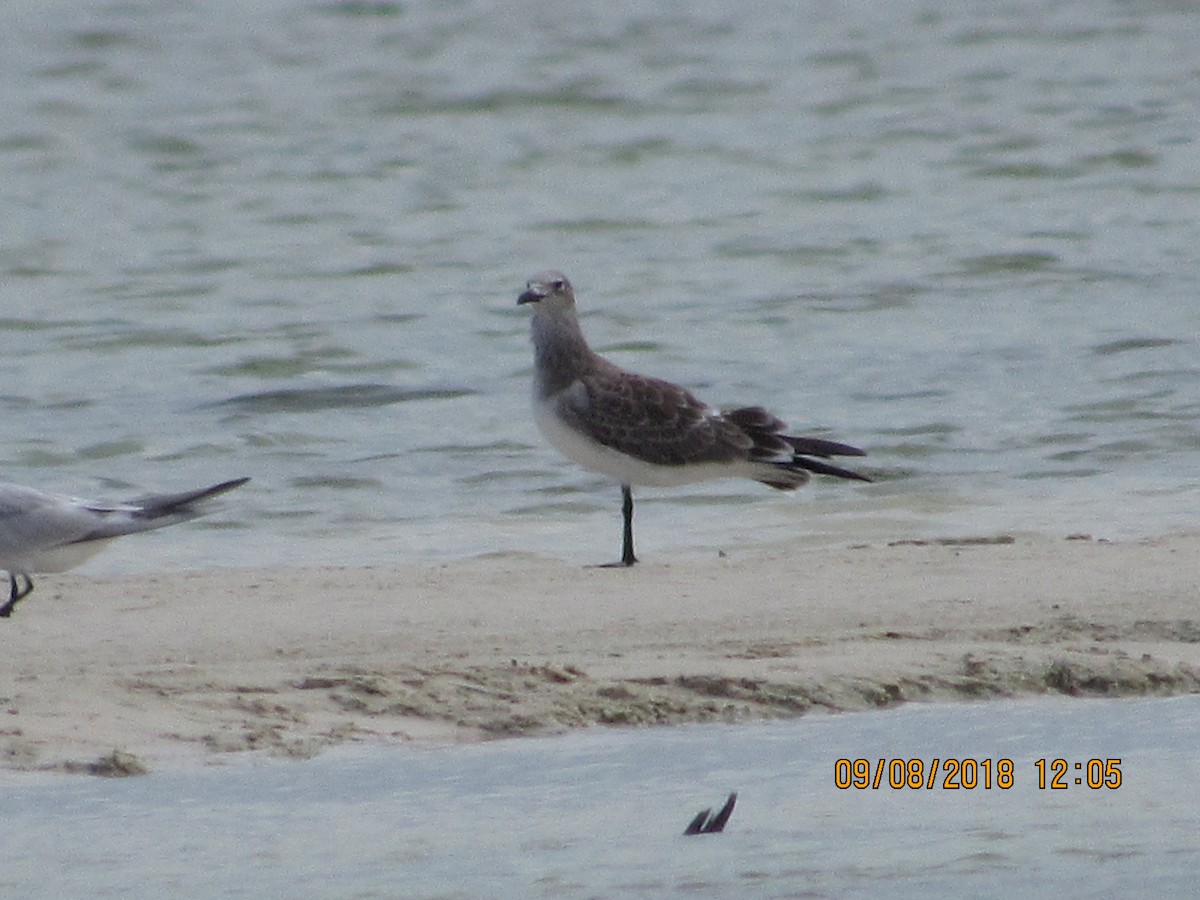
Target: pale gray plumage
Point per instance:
(42, 532)
(640, 430)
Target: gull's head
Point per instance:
(550, 290)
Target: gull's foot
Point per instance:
(619, 564)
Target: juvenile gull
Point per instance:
(47, 533)
(640, 430)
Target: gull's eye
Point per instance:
(557, 285)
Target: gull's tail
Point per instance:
(770, 443)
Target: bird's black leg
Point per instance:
(627, 557)
(15, 593)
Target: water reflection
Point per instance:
(602, 813)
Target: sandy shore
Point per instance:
(182, 668)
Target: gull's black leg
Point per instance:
(15, 593)
(627, 557)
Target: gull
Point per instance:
(47, 533)
(639, 430)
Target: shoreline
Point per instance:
(122, 674)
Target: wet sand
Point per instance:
(120, 674)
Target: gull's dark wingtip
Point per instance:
(824, 468)
(812, 446)
(226, 486)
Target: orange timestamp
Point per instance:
(954, 774)
(1060, 774)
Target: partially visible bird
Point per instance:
(48, 533)
(706, 823)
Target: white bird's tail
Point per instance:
(156, 511)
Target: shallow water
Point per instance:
(284, 239)
(602, 814)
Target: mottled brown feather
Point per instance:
(664, 424)
(651, 419)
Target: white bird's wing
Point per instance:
(34, 524)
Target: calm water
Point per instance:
(284, 239)
(602, 815)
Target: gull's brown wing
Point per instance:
(650, 419)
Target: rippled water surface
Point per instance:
(602, 815)
(284, 239)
